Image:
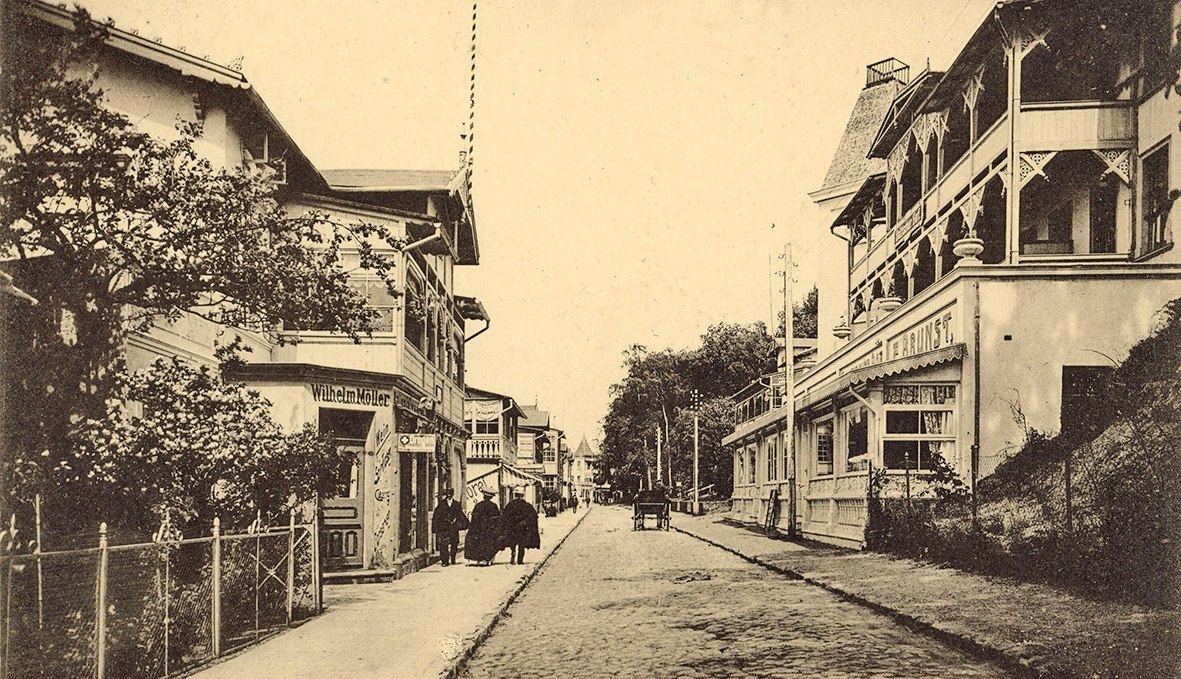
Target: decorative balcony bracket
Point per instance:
(927, 126)
(1026, 41)
(894, 164)
(1034, 164)
(909, 258)
(972, 90)
(971, 208)
(1117, 161)
(938, 234)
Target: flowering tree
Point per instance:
(114, 230)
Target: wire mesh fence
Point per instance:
(151, 610)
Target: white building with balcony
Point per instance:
(493, 421)
(1011, 235)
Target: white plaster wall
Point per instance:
(832, 280)
(1052, 323)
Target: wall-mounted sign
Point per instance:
(933, 332)
(356, 396)
(416, 443)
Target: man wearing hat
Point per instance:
(448, 521)
(520, 527)
(483, 538)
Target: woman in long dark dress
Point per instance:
(483, 537)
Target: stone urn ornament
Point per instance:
(841, 330)
(968, 249)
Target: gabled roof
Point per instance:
(907, 104)
(384, 184)
(187, 65)
(851, 163)
(534, 418)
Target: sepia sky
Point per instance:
(630, 156)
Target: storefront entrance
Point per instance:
(344, 514)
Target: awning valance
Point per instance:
(878, 371)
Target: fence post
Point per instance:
(215, 614)
(290, 564)
(317, 579)
(7, 551)
(100, 608)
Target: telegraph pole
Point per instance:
(659, 475)
(789, 388)
(696, 412)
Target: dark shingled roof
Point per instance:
(534, 418)
(390, 180)
(584, 449)
(850, 162)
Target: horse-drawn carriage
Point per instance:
(652, 503)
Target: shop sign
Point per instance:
(934, 332)
(416, 443)
(358, 396)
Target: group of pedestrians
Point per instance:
(489, 530)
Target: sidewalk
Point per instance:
(418, 626)
(1036, 630)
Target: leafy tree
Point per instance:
(803, 316)
(655, 395)
(114, 230)
(191, 446)
(730, 357)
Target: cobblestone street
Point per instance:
(613, 602)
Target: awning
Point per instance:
(902, 365)
(878, 371)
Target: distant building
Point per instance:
(542, 450)
(585, 462)
(492, 419)
(1011, 227)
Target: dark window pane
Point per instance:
(900, 454)
(902, 422)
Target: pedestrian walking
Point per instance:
(448, 521)
(520, 527)
(574, 503)
(483, 537)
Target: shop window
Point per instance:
(751, 467)
(857, 436)
(919, 426)
(1157, 199)
(824, 448)
(916, 439)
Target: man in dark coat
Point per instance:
(448, 521)
(520, 527)
(483, 538)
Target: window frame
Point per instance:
(1149, 244)
(828, 421)
(919, 438)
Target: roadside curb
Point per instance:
(459, 662)
(1016, 664)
